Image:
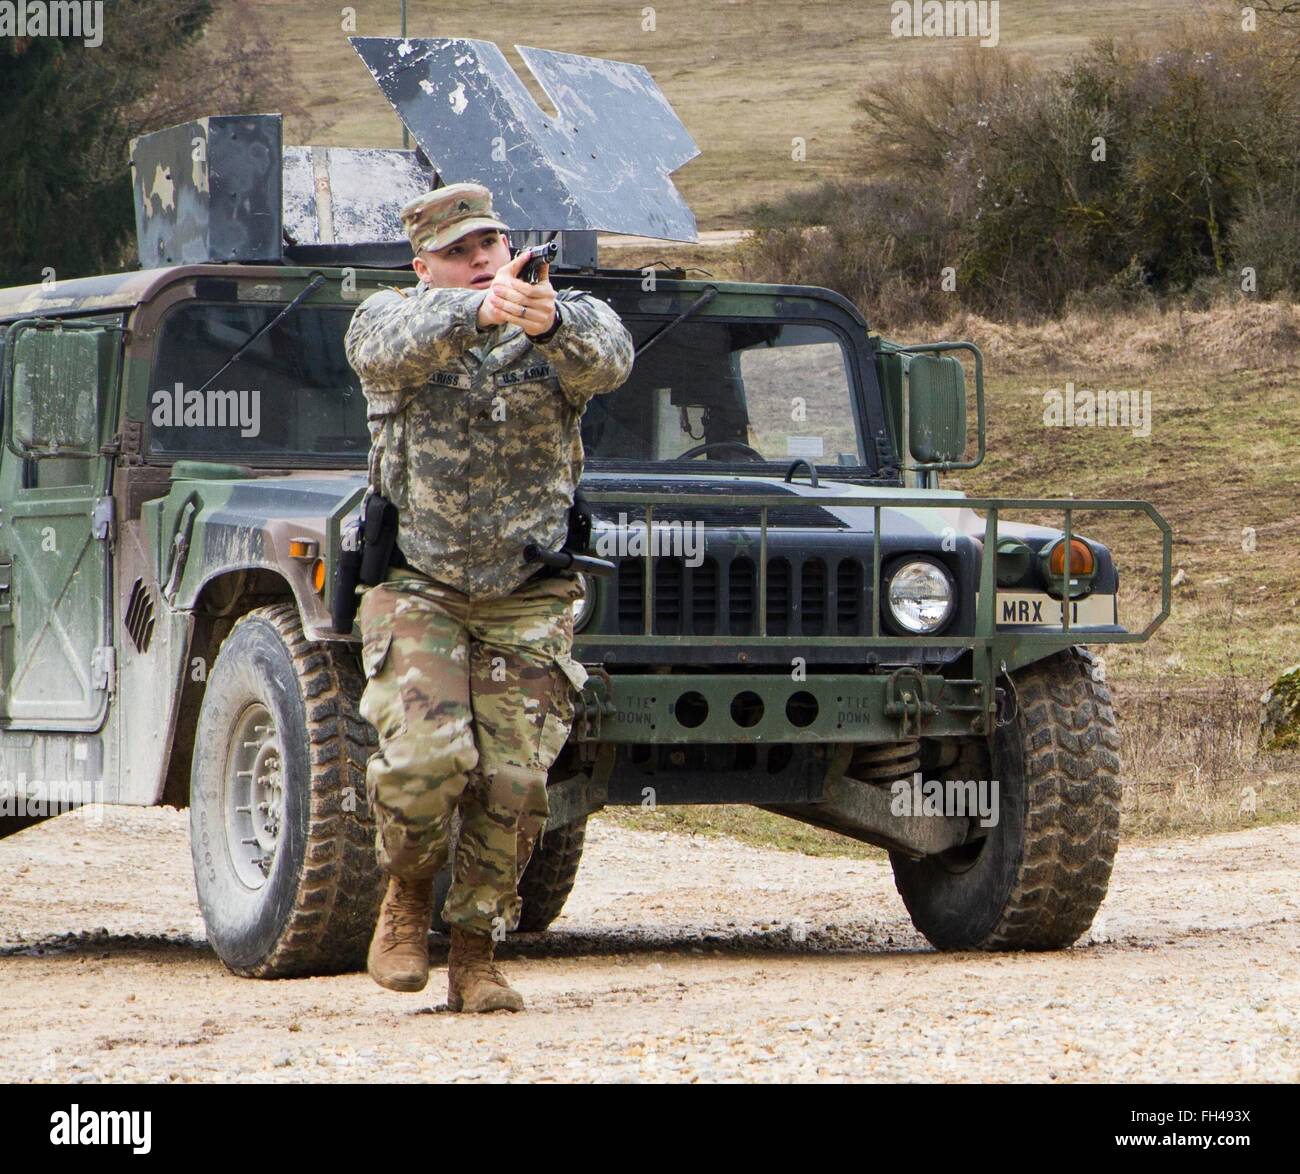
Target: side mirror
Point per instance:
(925, 402)
(54, 371)
(936, 408)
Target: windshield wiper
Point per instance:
(311, 287)
(703, 300)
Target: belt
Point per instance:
(400, 561)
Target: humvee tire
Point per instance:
(1036, 880)
(547, 881)
(297, 892)
(550, 876)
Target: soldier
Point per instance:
(475, 386)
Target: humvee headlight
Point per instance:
(921, 596)
(583, 608)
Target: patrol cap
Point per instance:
(437, 218)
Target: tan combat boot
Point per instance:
(473, 981)
(399, 951)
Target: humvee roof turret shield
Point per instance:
(604, 163)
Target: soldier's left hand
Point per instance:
(529, 306)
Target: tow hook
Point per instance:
(906, 699)
(595, 703)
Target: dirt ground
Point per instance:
(678, 958)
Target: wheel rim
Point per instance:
(254, 795)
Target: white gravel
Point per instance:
(678, 959)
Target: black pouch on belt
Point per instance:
(379, 537)
(343, 600)
(578, 540)
(369, 548)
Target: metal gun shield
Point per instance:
(603, 163)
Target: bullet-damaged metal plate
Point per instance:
(349, 195)
(604, 164)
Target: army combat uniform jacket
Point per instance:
(475, 435)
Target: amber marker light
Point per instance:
(1082, 561)
(318, 576)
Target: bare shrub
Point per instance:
(1139, 170)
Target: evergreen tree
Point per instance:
(68, 112)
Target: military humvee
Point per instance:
(801, 618)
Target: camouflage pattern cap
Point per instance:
(437, 218)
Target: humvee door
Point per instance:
(56, 661)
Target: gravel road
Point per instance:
(678, 958)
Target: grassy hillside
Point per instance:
(746, 76)
(1221, 465)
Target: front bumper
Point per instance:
(750, 708)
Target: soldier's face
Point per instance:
(469, 263)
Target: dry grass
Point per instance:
(749, 825)
(1244, 335)
(1191, 760)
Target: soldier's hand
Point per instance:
(513, 301)
(540, 304)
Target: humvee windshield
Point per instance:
(782, 390)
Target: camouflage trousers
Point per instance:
(473, 700)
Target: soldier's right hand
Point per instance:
(507, 296)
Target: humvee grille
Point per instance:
(690, 600)
(743, 597)
(849, 578)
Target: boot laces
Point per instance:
(475, 957)
(406, 915)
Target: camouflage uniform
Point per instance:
(475, 437)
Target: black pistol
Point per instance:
(538, 255)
